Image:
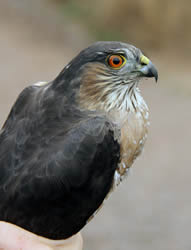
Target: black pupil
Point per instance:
(116, 61)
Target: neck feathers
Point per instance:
(102, 91)
(124, 98)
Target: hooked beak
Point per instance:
(148, 69)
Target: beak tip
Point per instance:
(150, 70)
(156, 77)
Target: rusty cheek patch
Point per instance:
(94, 80)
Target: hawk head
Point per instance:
(107, 74)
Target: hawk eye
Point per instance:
(116, 61)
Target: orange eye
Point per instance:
(116, 61)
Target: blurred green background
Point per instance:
(150, 23)
(151, 209)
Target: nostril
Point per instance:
(144, 60)
(143, 63)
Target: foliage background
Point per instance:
(149, 23)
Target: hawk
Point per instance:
(68, 143)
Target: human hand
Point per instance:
(13, 237)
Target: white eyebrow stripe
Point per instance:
(120, 51)
(100, 53)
